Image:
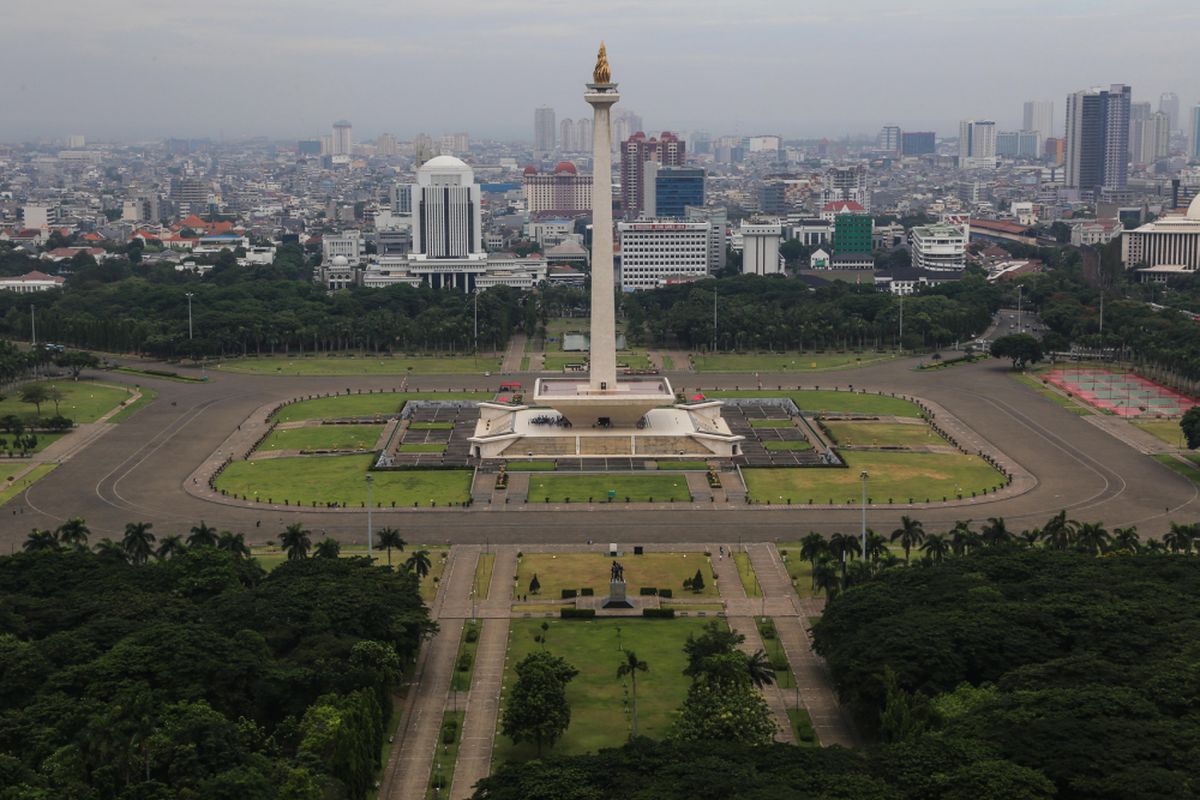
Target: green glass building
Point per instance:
(852, 233)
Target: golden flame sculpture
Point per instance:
(602, 74)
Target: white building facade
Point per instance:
(760, 248)
(652, 252)
(939, 247)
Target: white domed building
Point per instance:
(1167, 247)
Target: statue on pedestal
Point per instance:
(618, 572)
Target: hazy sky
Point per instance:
(136, 69)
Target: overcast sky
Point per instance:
(138, 69)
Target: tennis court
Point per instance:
(1121, 393)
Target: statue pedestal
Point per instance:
(616, 596)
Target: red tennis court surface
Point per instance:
(1120, 393)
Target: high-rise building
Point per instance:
(1039, 116)
(566, 136)
(1194, 139)
(626, 123)
(76, 141)
(1168, 103)
(918, 143)
(1153, 138)
(668, 150)
(772, 198)
(718, 219)
(543, 131)
(655, 252)
(343, 139)
(386, 145)
(940, 247)
(190, 195)
(976, 143)
(674, 189)
(846, 184)
(1097, 138)
(760, 248)
(1019, 144)
(446, 212)
(889, 138)
(563, 192)
(852, 233)
(1138, 113)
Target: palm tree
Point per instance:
(1030, 537)
(138, 541)
(327, 548)
(1154, 547)
(233, 543)
(390, 538)
(419, 563)
(995, 532)
(762, 673)
(1091, 537)
(825, 577)
(1180, 538)
(843, 547)
(910, 534)
(74, 533)
(631, 666)
(813, 547)
(962, 538)
(1059, 532)
(202, 536)
(295, 541)
(169, 547)
(109, 550)
(40, 541)
(936, 546)
(1126, 539)
(877, 546)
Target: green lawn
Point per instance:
(44, 440)
(525, 362)
(689, 465)
(598, 698)
(668, 364)
(746, 574)
(822, 401)
(638, 488)
(558, 571)
(529, 466)
(898, 476)
(431, 426)
(362, 365)
(437, 566)
(341, 479)
(555, 362)
(365, 405)
(802, 727)
(799, 570)
(444, 757)
(460, 681)
(1052, 395)
(869, 434)
(324, 437)
(790, 444)
(483, 574)
(772, 423)
(1192, 473)
(148, 396)
(785, 362)
(422, 447)
(13, 488)
(1166, 430)
(83, 401)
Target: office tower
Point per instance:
(889, 138)
(626, 124)
(852, 233)
(669, 190)
(446, 211)
(1152, 138)
(309, 147)
(1039, 116)
(940, 247)
(654, 252)
(1138, 113)
(668, 150)
(1168, 103)
(76, 141)
(718, 219)
(976, 143)
(1097, 138)
(846, 184)
(760, 248)
(566, 136)
(543, 131)
(772, 198)
(1193, 153)
(190, 195)
(563, 192)
(1018, 144)
(343, 140)
(918, 143)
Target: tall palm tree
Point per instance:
(74, 533)
(202, 536)
(327, 548)
(389, 538)
(1091, 537)
(962, 538)
(762, 673)
(877, 546)
(844, 547)
(169, 547)
(910, 534)
(936, 546)
(825, 578)
(295, 540)
(995, 532)
(1059, 532)
(1180, 538)
(1126, 539)
(40, 541)
(813, 547)
(233, 543)
(1154, 547)
(138, 541)
(631, 666)
(109, 550)
(1029, 538)
(419, 563)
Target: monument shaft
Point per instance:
(603, 376)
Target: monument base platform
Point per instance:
(616, 596)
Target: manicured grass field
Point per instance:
(867, 434)
(364, 405)
(1192, 473)
(483, 574)
(802, 727)
(784, 362)
(771, 423)
(746, 574)
(423, 447)
(437, 566)
(83, 401)
(461, 680)
(821, 401)
(362, 365)
(323, 437)
(529, 466)
(598, 698)
(790, 444)
(668, 364)
(1166, 430)
(14, 488)
(556, 361)
(431, 426)
(689, 465)
(1052, 395)
(638, 488)
(898, 476)
(799, 570)
(341, 479)
(444, 756)
(147, 397)
(558, 571)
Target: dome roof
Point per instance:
(531, 170)
(565, 166)
(445, 164)
(1193, 211)
(340, 261)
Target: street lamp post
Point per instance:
(370, 504)
(864, 477)
(1020, 319)
(189, 296)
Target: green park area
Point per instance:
(350, 364)
(789, 444)
(824, 401)
(638, 488)
(380, 404)
(771, 423)
(883, 434)
(13, 485)
(598, 698)
(558, 571)
(323, 437)
(1166, 430)
(898, 476)
(81, 401)
(341, 479)
(785, 362)
(557, 361)
(271, 557)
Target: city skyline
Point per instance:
(287, 70)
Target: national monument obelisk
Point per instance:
(601, 95)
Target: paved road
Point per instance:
(137, 470)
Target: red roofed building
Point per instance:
(31, 282)
(563, 193)
(830, 210)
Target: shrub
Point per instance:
(577, 613)
(567, 594)
(697, 582)
(464, 662)
(665, 592)
(586, 592)
(658, 613)
(647, 590)
(767, 629)
(472, 634)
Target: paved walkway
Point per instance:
(513, 354)
(408, 769)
